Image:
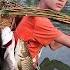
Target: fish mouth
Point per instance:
(59, 5)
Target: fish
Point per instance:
(22, 56)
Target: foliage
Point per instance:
(31, 2)
(53, 64)
(67, 9)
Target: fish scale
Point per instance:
(22, 56)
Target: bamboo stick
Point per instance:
(37, 12)
(15, 9)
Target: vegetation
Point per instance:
(53, 65)
(67, 8)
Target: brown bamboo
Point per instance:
(15, 9)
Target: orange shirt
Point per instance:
(38, 31)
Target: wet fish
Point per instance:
(22, 56)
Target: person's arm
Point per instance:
(60, 41)
(46, 33)
(55, 45)
(63, 39)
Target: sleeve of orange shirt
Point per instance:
(44, 30)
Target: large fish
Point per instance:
(22, 56)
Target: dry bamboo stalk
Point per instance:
(15, 9)
(38, 12)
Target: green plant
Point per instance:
(53, 64)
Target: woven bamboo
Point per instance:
(8, 11)
(6, 21)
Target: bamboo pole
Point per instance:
(15, 9)
(37, 12)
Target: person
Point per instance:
(39, 31)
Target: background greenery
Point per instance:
(53, 65)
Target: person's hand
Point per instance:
(55, 45)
